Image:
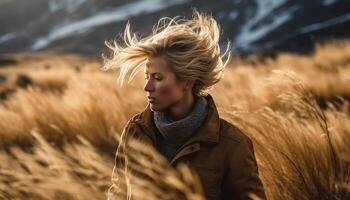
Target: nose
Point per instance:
(149, 87)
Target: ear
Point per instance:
(189, 84)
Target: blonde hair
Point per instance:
(190, 47)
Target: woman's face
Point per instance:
(162, 87)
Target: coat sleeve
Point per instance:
(243, 180)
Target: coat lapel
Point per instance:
(207, 133)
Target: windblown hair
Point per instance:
(190, 47)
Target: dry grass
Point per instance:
(140, 173)
(58, 134)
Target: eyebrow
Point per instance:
(146, 72)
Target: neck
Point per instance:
(181, 108)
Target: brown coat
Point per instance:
(221, 154)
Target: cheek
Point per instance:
(168, 91)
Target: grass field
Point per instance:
(60, 117)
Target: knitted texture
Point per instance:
(175, 133)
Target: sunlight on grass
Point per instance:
(61, 120)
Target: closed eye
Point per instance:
(156, 76)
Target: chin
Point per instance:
(155, 108)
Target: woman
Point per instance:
(182, 61)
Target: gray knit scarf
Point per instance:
(177, 132)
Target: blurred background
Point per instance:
(251, 25)
(287, 88)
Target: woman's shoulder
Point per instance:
(230, 131)
(135, 117)
(132, 120)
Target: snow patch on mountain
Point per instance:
(250, 32)
(102, 18)
(233, 15)
(328, 2)
(324, 24)
(7, 37)
(67, 5)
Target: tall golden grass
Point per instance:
(58, 137)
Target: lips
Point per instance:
(151, 99)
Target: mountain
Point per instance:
(251, 25)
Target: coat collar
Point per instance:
(208, 132)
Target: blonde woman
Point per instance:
(182, 61)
